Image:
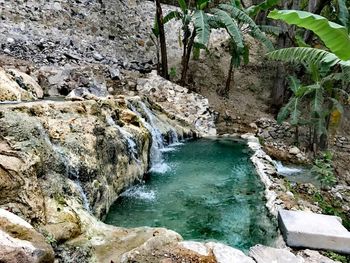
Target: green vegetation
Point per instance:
(323, 166)
(315, 101)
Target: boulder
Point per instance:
(10, 90)
(264, 254)
(227, 254)
(20, 242)
(294, 150)
(27, 83)
(310, 230)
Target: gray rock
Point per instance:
(227, 254)
(310, 230)
(98, 56)
(264, 254)
(312, 256)
(20, 243)
(114, 73)
(294, 150)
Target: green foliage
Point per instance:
(306, 55)
(201, 24)
(223, 18)
(263, 6)
(172, 72)
(323, 167)
(292, 108)
(343, 13)
(337, 257)
(242, 17)
(334, 36)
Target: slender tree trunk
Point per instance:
(297, 135)
(187, 57)
(316, 7)
(159, 15)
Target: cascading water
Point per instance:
(70, 170)
(297, 174)
(157, 163)
(285, 170)
(131, 144)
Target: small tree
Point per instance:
(237, 22)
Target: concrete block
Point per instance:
(310, 230)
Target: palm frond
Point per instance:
(242, 17)
(201, 25)
(305, 55)
(230, 25)
(334, 36)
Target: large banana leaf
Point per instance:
(306, 55)
(230, 25)
(242, 17)
(333, 35)
(265, 5)
(201, 24)
(343, 13)
(172, 15)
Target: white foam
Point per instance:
(160, 168)
(140, 192)
(284, 170)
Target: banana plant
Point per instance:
(236, 21)
(336, 39)
(195, 29)
(293, 109)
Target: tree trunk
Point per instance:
(296, 135)
(163, 52)
(284, 40)
(316, 7)
(186, 58)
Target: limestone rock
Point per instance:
(20, 243)
(27, 83)
(198, 247)
(227, 254)
(294, 150)
(179, 102)
(264, 254)
(311, 230)
(10, 90)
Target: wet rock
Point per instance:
(190, 107)
(20, 243)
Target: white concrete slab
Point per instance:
(310, 230)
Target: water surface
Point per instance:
(210, 191)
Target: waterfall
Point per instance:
(130, 142)
(284, 170)
(157, 163)
(72, 172)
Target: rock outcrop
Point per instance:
(20, 242)
(63, 162)
(189, 106)
(18, 86)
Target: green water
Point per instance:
(209, 192)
